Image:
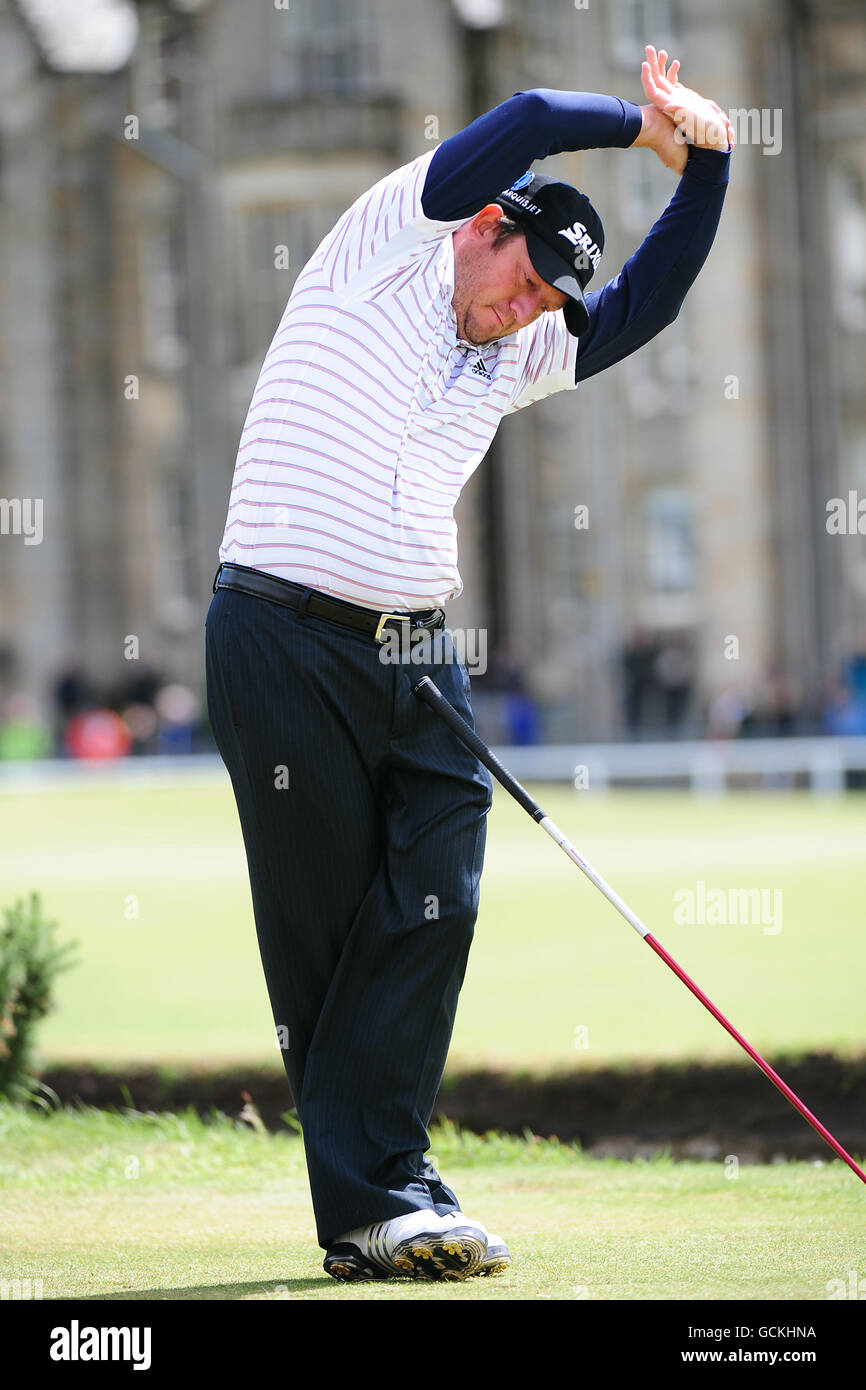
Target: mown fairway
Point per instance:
(107, 1206)
(556, 978)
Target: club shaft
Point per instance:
(427, 691)
(755, 1056)
(565, 844)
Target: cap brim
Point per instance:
(560, 275)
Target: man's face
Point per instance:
(497, 289)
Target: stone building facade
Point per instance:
(152, 221)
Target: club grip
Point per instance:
(427, 691)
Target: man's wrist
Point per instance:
(650, 128)
(660, 133)
(640, 138)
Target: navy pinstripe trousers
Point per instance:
(364, 823)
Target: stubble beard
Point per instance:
(467, 288)
(472, 334)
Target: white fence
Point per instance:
(707, 766)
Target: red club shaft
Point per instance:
(756, 1057)
(427, 691)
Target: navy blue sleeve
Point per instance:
(475, 165)
(649, 291)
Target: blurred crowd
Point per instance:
(660, 699)
(149, 714)
(656, 677)
(145, 714)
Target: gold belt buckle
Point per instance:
(387, 618)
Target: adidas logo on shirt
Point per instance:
(479, 369)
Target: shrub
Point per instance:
(29, 961)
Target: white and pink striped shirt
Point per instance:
(370, 413)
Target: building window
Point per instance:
(670, 561)
(634, 23)
(163, 298)
(549, 37)
(155, 82)
(646, 188)
(848, 226)
(324, 47)
(273, 242)
(662, 375)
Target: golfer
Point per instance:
(448, 295)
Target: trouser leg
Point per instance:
(364, 873)
(305, 791)
(379, 1052)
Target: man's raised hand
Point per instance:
(698, 120)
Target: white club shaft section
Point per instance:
(556, 834)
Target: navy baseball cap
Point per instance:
(564, 237)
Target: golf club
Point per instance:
(429, 693)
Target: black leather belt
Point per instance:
(336, 610)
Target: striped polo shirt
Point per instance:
(370, 414)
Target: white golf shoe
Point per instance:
(498, 1256)
(420, 1245)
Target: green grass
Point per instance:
(102, 1205)
(181, 981)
